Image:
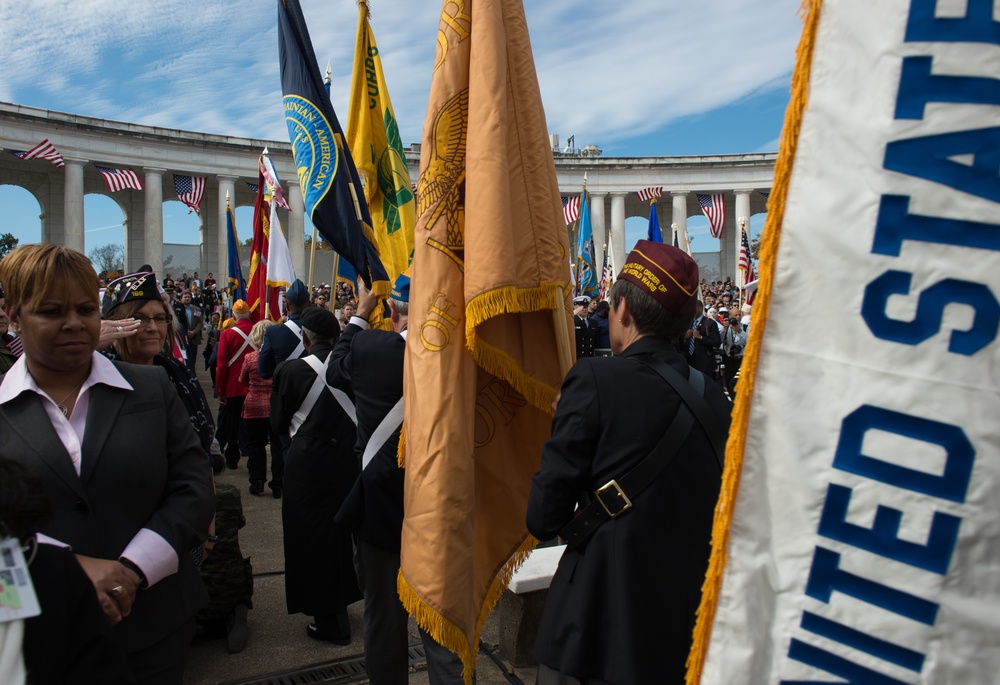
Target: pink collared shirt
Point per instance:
(147, 549)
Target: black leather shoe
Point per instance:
(328, 635)
(256, 487)
(275, 492)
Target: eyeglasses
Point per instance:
(145, 320)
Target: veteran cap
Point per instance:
(137, 286)
(401, 288)
(320, 321)
(669, 275)
(297, 293)
(241, 307)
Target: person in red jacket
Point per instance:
(234, 344)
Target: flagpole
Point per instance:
(333, 282)
(312, 258)
(741, 275)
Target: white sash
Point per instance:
(246, 344)
(300, 416)
(297, 330)
(391, 421)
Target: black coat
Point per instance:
(621, 606)
(279, 343)
(71, 641)
(586, 336)
(319, 470)
(369, 365)
(705, 348)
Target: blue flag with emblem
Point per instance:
(654, 234)
(237, 286)
(587, 282)
(331, 189)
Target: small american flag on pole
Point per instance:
(647, 194)
(746, 262)
(44, 150)
(571, 209)
(714, 207)
(189, 191)
(251, 186)
(119, 179)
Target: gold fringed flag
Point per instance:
(856, 535)
(377, 149)
(488, 302)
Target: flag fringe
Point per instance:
(511, 300)
(771, 235)
(446, 633)
(401, 448)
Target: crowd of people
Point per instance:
(101, 408)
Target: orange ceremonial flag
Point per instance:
(489, 317)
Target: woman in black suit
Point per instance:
(129, 483)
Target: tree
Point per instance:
(755, 247)
(7, 243)
(108, 258)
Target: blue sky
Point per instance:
(642, 78)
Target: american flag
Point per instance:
(15, 346)
(714, 207)
(647, 194)
(765, 193)
(44, 150)
(189, 191)
(571, 209)
(251, 186)
(119, 179)
(746, 262)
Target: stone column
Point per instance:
(680, 218)
(73, 204)
(296, 229)
(152, 242)
(227, 186)
(742, 215)
(601, 242)
(617, 238)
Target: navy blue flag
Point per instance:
(237, 286)
(653, 234)
(331, 189)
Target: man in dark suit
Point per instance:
(701, 343)
(621, 606)
(586, 330)
(284, 341)
(320, 470)
(369, 364)
(190, 317)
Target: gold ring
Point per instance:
(117, 590)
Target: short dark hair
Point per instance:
(24, 506)
(649, 316)
(603, 308)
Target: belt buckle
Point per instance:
(619, 492)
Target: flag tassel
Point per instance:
(446, 633)
(741, 410)
(511, 300)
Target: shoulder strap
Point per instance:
(390, 422)
(246, 344)
(302, 413)
(297, 330)
(691, 391)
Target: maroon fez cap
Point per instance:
(667, 274)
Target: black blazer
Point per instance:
(143, 467)
(368, 364)
(621, 606)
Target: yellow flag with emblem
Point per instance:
(488, 341)
(377, 149)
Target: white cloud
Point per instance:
(607, 71)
